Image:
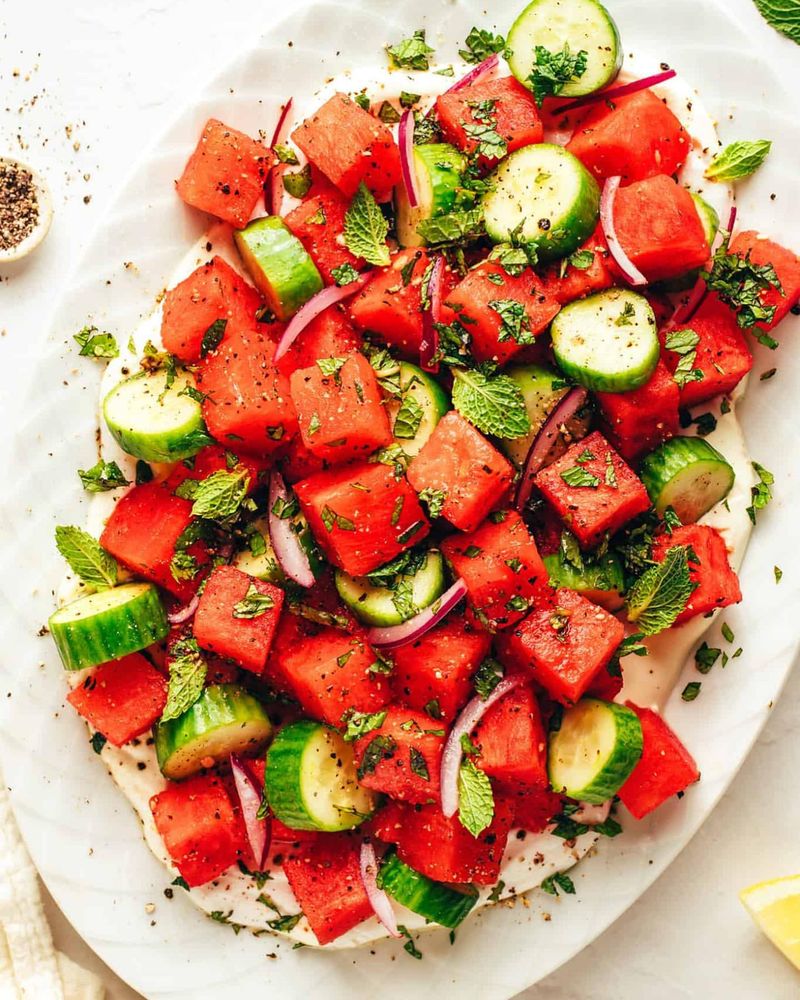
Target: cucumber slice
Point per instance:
(583, 25)
(428, 396)
(603, 583)
(438, 169)
(607, 342)
(107, 625)
(225, 719)
(687, 474)
(541, 391)
(263, 565)
(311, 780)
(279, 264)
(152, 422)
(598, 745)
(376, 605)
(436, 901)
(544, 196)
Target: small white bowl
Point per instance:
(45, 204)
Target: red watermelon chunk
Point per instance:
(406, 761)
(640, 420)
(717, 585)
(512, 740)
(329, 335)
(390, 305)
(566, 282)
(318, 222)
(787, 267)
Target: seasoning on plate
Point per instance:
(25, 210)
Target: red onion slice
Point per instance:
(273, 185)
(591, 815)
(185, 613)
(429, 344)
(288, 550)
(257, 830)
(566, 409)
(626, 88)
(406, 144)
(475, 73)
(279, 134)
(393, 636)
(316, 304)
(630, 271)
(378, 900)
(469, 718)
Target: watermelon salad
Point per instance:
(422, 482)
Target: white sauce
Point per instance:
(648, 680)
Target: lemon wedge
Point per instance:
(775, 907)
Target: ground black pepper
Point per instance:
(19, 206)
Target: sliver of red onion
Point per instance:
(257, 830)
(567, 407)
(288, 550)
(378, 900)
(392, 636)
(310, 310)
(185, 613)
(630, 271)
(407, 168)
(626, 88)
(475, 74)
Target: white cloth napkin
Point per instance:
(30, 967)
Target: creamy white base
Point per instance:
(648, 680)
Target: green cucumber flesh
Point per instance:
(602, 583)
(311, 780)
(544, 196)
(607, 342)
(541, 388)
(441, 903)
(687, 474)
(438, 170)
(432, 400)
(279, 264)
(263, 565)
(225, 719)
(153, 422)
(584, 25)
(107, 625)
(376, 606)
(593, 753)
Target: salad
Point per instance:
(421, 483)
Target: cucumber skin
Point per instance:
(576, 89)
(219, 705)
(362, 610)
(566, 235)
(283, 780)
(535, 383)
(598, 381)
(618, 767)
(435, 901)
(442, 186)
(439, 406)
(610, 597)
(279, 264)
(82, 645)
(659, 468)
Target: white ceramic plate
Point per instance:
(82, 834)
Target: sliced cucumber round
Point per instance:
(602, 582)
(593, 753)
(279, 264)
(438, 170)
(583, 25)
(107, 625)
(687, 474)
(259, 559)
(311, 780)
(153, 422)
(542, 389)
(441, 903)
(544, 196)
(607, 342)
(382, 605)
(419, 392)
(225, 719)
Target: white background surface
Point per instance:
(110, 73)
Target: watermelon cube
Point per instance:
(390, 305)
(640, 420)
(501, 567)
(716, 582)
(362, 515)
(458, 460)
(512, 740)
(787, 267)
(593, 491)
(665, 768)
(225, 174)
(565, 282)
(318, 222)
(406, 760)
(121, 699)
(564, 644)
(534, 807)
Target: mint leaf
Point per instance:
(494, 404)
(490, 143)
(740, 284)
(212, 338)
(411, 53)
(487, 677)
(330, 367)
(380, 748)
(419, 765)
(102, 477)
(365, 228)
(408, 419)
(254, 604)
(515, 324)
(782, 15)
(187, 675)
(86, 558)
(684, 343)
(435, 499)
(558, 881)
(344, 274)
(660, 594)
(475, 799)
(217, 498)
(480, 45)
(183, 566)
(576, 476)
(761, 493)
(95, 344)
(452, 228)
(358, 724)
(740, 159)
(552, 71)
